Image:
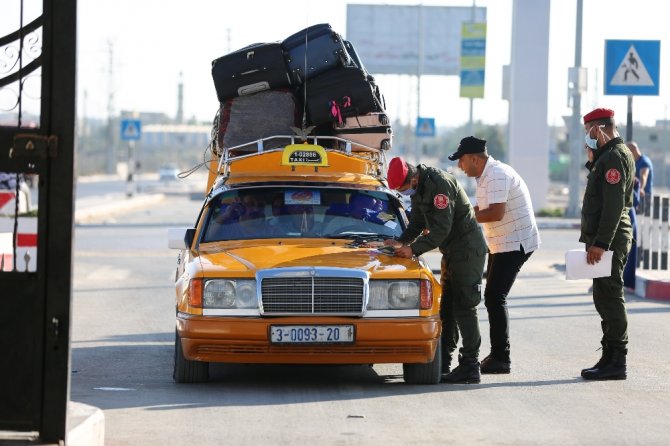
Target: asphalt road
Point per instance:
(122, 346)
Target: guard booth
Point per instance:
(37, 120)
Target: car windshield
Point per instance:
(295, 212)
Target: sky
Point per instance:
(151, 43)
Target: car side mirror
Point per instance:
(180, 238)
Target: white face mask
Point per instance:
(592, 143)
(408, 192)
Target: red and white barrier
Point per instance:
(8, 203)
(26, 244)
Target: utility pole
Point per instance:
(472, 100)
(180, 100)
(417, 141)
(575, 136)
(111, 128)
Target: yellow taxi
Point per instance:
(286, 265)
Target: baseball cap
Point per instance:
(469, 144)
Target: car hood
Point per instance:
(245, 257)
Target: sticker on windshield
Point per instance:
(302, 197)
(391, 224)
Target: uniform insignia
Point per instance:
(441, 201)
(613, 176)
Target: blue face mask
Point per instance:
(592, 143)
(408, 192)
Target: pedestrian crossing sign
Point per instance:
(131, 129)
(425, 127)
(632, 67)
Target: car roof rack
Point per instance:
(277, 143)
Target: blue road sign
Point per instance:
(131, 129)
(425, 126)
(632, 67)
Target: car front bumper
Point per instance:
(246, 340)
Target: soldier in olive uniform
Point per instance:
(440, 205)
(607, 226)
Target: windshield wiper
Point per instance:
(360, 237)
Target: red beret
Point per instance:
(397, 172)
(598, 113)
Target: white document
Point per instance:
(577, 268)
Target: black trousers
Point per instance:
(501, 272)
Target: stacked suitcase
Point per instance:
(312, 78)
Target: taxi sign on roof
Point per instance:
(304, 155)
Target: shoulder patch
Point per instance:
(613, 176)
(441, 201)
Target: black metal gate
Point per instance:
(37, 124)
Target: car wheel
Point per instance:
(428, 373)
(185, 370)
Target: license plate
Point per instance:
(311, 334)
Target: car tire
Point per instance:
(428, 373)
(185, 370)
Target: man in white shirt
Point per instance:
(505, 212)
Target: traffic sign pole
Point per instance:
(629, 119)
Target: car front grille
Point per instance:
(313, 295)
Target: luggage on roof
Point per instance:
(312, 51)
(254, 68)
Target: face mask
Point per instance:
(592, 143)
(408, 192)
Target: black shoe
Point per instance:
(613, 368)
(495, 366)
(604, 359)
(467, 372)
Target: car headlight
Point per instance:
(394, 295)
(229, 294)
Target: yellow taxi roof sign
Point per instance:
(304, 155)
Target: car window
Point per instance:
(295, 212)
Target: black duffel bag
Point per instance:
(339, 93)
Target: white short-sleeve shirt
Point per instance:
(500, 183)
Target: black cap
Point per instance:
(469, 144)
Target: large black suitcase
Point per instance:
(312, 51)
(340, 93)
(254, 68)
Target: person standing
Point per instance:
(631, 261)
(644, 172)
(506, 213)
(605, 225)
(440, 205)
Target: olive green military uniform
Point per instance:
(441, 205)
(606, 224)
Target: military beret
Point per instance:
(397, 172)
(598, 113)
(469, 144)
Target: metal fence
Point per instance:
(652, 233)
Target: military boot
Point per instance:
(493, 365)
(467, 372)
(613, 368)
(604, 359)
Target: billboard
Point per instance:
(473, 60)
(390, 39)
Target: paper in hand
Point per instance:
(577, 268)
